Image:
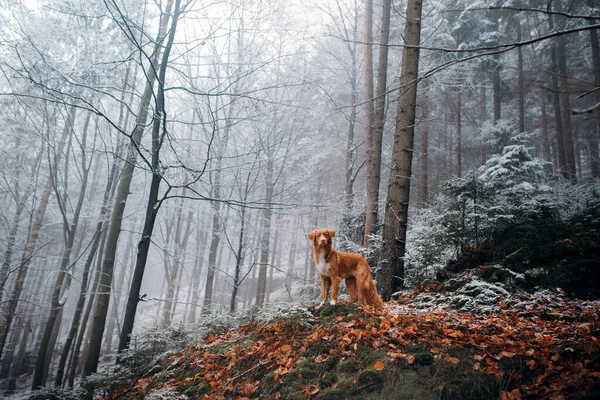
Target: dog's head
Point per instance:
(321, 237)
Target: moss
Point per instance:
(269, 384)
(221, 347)
(368, 356)
(370, 377)
(331, 394)
(327, 380)
(292, 391)
(203, 389)
(337, 309)
(476, 386)
(330, 363)
(304, 371)
(350, 366)
(317, 349)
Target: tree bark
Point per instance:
(61, 288)
(154, 203)
(8, 312)
(374, 149)
(369, 108)
(423, 188)
(459, 134)
(104, 286)
(561, 141)
(267, 215)
(520, 81)
(199, 262)
(594, 137)
(391, 273)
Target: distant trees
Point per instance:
(214, 136)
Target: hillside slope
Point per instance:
(532, 346)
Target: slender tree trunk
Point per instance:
(97, 238)
(182, 256)
(556, 103)
(74, 363)
(459, 134)
(61, 288)
(171, 282)
(594, 137)
(545, 135)
(153, 206)
(267, 215)
(104, 286)
(200, 243)
(10, 307)
(496, 80)
(423, 188)
(21, 201)
(391, 274)
(374, 149)
(568, 134)
(369, 117)
(521, 81)
(217, 223)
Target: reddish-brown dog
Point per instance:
(333, 266)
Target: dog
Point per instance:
(333, 266)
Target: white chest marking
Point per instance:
(322, 266)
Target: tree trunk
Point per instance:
(496, 81)
(375, 143)
(369, 108)
(174, 273)
(459, 134)
(423, 188)
(595, 136)
(10, 307)
(391, 274)
(74, 363)
(200, 243)
(61, 288)
(98, 234)
(545, 136)
(556, 102)
(154, 203)
(267, 215)
(520, 81)
(104, 285)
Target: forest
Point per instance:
(166, 159)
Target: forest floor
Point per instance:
(528, 346)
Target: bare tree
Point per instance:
(104, 286)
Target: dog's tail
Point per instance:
(370, 294)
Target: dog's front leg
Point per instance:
(325, 284)
(335, 282)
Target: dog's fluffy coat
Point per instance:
(333, 266)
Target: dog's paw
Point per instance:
(320, 305)
(332, 302)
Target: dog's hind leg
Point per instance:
(351, 287)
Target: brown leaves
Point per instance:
(378, 366)
(551, 344)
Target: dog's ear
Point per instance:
(331, 233)
(312, 235)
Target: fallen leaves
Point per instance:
(378, 366)
(539, 347)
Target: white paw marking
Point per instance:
(333, 302)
